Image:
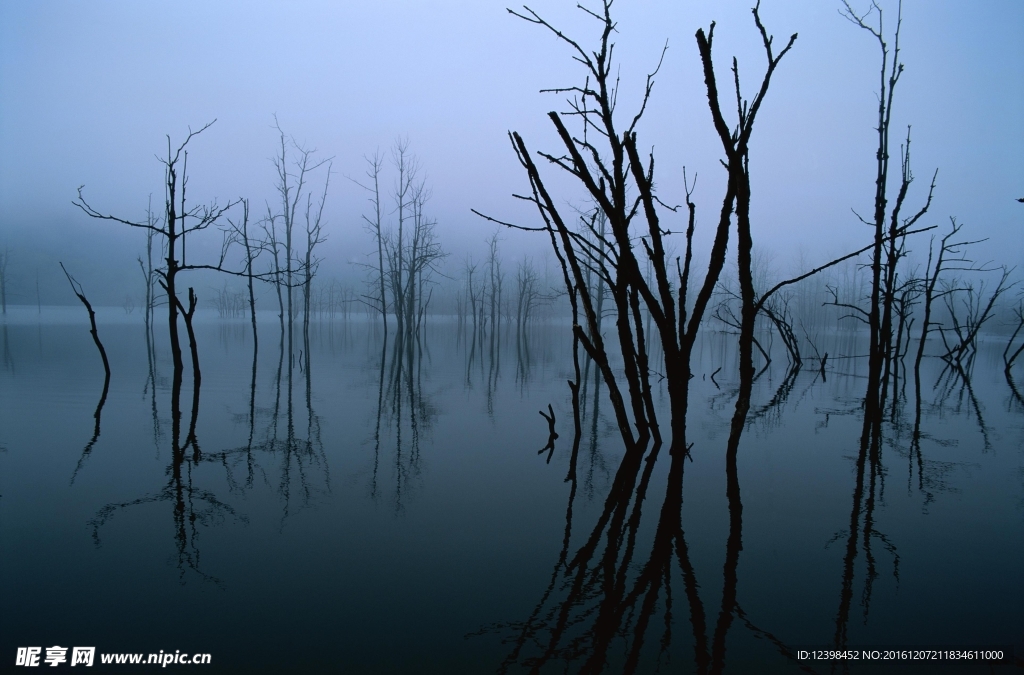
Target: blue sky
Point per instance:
(88, 92)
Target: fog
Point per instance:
(328, 456)
(90, 92)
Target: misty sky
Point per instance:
(88, 91)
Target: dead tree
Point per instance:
(274, 274)
(179, 221)
(252, 248)
(496, 278)
(77, 288)
(735, 143)
(425, 253)
(409, 252)
(968, 316)
(148, 272)
(375, 225)
(604, 157)
(889, 237)
(292, 176)
(469, 270)
(527, 295)
(403, 192)
(951, 256)
(314, 237)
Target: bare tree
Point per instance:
(315, 236)
(375, 224)
(469, 269)
(424, 254)
(80, 293)
(889, 237)
(148, 272)
(179, 222)
(527, 294)
(292, 177)
(410, 251)
(496, 278)
(604, 157)
(273, 245)
(252, 249)
(951, 256)
(969, 315)
(405, 164)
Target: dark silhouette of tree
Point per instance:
(411, 249)
(252, 248)
(621, 185)
(179, 221)
(889, 245)
(293, 175)
(528, 295)
(611, 592)
(375, 224)
(80, 293)
(968, 311)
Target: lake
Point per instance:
(358, 508)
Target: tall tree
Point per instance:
(889, 226)
(375, 224)
(180, 221)
(604, 157)
(293, 173)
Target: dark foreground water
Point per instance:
(376, 512)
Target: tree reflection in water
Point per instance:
(603, 601)
(301, 460)
(190, 506)
(401, 407)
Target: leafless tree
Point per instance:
(80, 293)
(410, 251)
(403, 192)
(273, 246)
(148, 272)
(527, 294)
(969, 310)
(425, 253)
(469, 269)
(252, 248)
(605, 158)
(496, 278)
(375, 224)
(951, 256)
(179, 222)
(315, 236)
(293, 174)
(890, 226)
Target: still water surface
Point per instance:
(378, 512)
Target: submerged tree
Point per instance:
(299, 268)
(179, 221)
(378, 299)
(605, 159)
(408, 252)
(890, 226)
